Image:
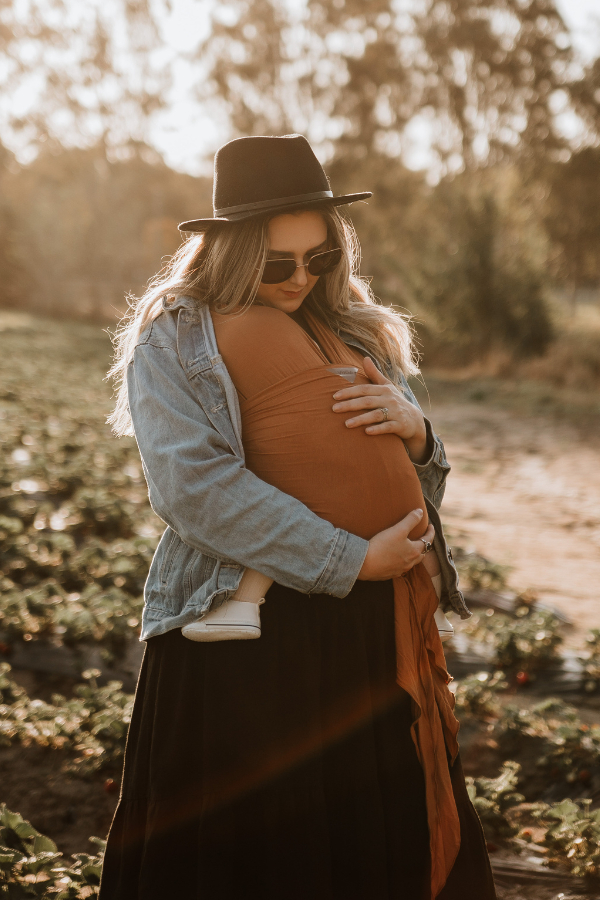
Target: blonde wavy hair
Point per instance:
(222, 268)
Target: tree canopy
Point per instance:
(80, 74)
(485, 78)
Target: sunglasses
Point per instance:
(278, 270)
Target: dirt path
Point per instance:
(525, 492)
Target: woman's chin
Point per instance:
(286, 301)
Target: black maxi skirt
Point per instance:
(282, 768)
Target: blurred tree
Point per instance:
(392, 225)
(571, 215)
(87, 225)
(586, 93)
(88, 231)
(478, 276)
(467, 257)
(479, 76)
(87, 70)
(13, 275)
(481, 79)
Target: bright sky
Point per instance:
(186, 136)
(183, 134)
(583, 18)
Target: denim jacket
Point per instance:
(221, 517)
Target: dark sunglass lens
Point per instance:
(326, 262)
(278, 270)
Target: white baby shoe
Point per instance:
(444, 626)
(234, 620)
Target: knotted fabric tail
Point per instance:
(421, 671)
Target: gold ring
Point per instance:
(386, 413)
(428, 545)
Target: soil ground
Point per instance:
(66, 808)
(524, 489)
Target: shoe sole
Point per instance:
(208, 633)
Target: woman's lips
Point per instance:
(293, 294)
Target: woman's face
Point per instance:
(293, 236)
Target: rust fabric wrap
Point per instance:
(361, 483)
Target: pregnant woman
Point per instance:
(321, 761)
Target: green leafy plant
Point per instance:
(476, 695)
(477, 572)
(529, 642)
(92, 726)
(493, 797)
(572, 836)
(32, 867)
(591, 662)
(567, 748)
(571, 828)
(76, 530)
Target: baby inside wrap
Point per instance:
(361, 483)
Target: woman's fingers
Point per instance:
(378, 381)
(375, 402)
(418, 547)
(362, 399)
(372, 372)
(428, 536)
(391, 553)
(375, 419)
(374, 422)
(406, 525)
(356, 390)
(403, 418)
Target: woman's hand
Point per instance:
(391, 553)
(404, 418)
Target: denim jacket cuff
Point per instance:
(437, 452)
(343, 565)
(432, 474)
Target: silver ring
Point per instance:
(386, 413)
(428, 545)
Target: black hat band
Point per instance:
(269, 204)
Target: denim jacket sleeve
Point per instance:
(433, 473)
(200, 487)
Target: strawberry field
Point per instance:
(77, 538)
(76, 529)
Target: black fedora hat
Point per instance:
(258, 175)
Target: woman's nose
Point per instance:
(299, 277)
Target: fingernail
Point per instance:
(336, 395)
(420, 511)
(369, 430)
(335, 406)
(349, 423)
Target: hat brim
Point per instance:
(199, 225)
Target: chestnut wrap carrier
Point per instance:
(361, 483)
